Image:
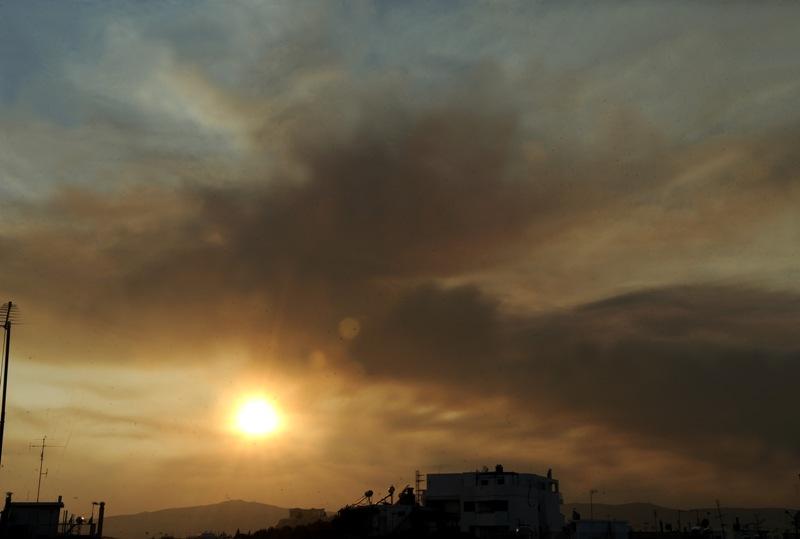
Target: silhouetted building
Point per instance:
(302, 517)
(601, 529)
(42, 520)
(30, 520)
(489, 503)
(210, 535)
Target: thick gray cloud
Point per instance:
(680, 363)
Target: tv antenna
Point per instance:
(8, 314)
(41, 462)
(592, 492)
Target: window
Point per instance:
(484, 482)
(501, 480)
(446, 506)
(491, 506)
(469, 507)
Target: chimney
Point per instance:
(100, 515)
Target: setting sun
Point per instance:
(257, 417)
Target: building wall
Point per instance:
(499, 500)
(601, 529)
(35, 520)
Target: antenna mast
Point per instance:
(41, 463)
(592, 492)
(721, 521)
(7, 312)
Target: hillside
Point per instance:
(181, 522)
(642, 515)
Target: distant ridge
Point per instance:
(641, 515)
(226, 516)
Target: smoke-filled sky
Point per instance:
(434, 235)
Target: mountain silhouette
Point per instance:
(186, 521)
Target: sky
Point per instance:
(433, 235)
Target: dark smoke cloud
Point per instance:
(656, 361)
(706, 374)
(378, 228)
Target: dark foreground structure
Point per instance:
(493, 504)
(43, 520)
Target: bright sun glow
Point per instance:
(257, 417)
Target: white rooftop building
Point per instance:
(487, 503)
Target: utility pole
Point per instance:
(721, 522)
(7, 311)
(41, 463)
(592, 492)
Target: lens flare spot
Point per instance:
(349, 328)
